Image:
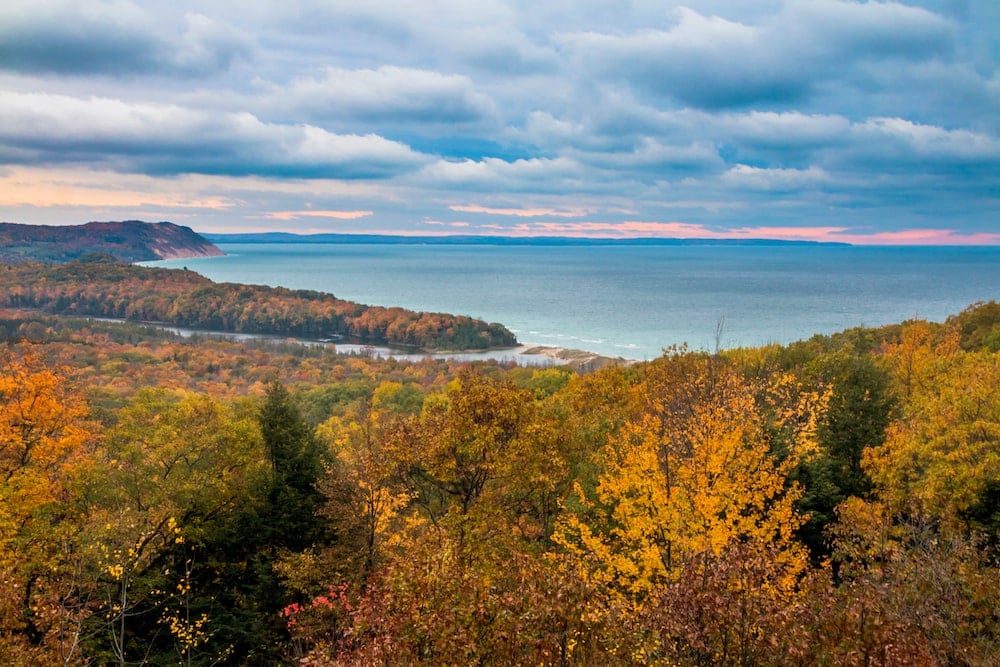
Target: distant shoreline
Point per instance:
(395, 239)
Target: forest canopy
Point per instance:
(100, 286)
(835, 501)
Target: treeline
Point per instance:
(831, 502)
(102, 287)
(112, 360)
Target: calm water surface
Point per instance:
(632, 301)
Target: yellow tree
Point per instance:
(443, 592)
(699, 470)
(43, 442)
(943, 452)
(363, 485)
(463, 450)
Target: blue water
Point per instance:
(633, 301)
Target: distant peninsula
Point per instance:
(468, 239)
(101, 286)
(129, 241)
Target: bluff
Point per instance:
(129, 241)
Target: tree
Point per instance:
(691, 528)
(912, 590)
(464, 446)
(690, 475)
(721, 609)
(45, 439)
(363, 486)
(174, 470)
(296, 461)
(943, 452)
(979, 325)
(859, 409)
(461, 579)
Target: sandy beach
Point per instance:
(578, 359)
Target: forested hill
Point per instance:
(103, 287)
(130, 241)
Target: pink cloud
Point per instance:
(629, 229)
(684, 230)
(922, 237)
(339, 215)
(522, 212)
(96, 190)
(899, 237)
(439, 223)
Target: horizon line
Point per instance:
(527, 238)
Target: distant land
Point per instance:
(286, 237)
(129, 241)
(102, 286)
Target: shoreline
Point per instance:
(580, 360)
(523, 354)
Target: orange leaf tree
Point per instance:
(44, 434)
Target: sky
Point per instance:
(830, 120)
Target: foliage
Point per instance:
(184, 298)
(44, 444)
(943, 452)
(690, 475)
(198, 501)
(979, 326)
(130, 241)
(860, 408)
(172, 469)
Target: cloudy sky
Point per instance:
(870, 122)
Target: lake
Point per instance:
(633, 301)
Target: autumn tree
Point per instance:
(363, 485)
(979, 326)
(432, 608)
(690, 474)
(942, 454)
(462, 578)
(44, 435)
(465, 445)
(859, 409)
(911, 590)
(174, 470)
(697, 472)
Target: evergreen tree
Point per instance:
(241, 556)
(296, 465)
(859, 411)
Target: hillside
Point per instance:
(103, 287)
(130, 241)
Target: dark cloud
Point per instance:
(113, 39)
(703, 61)
(167, 139)
(715, 63)
(722, 113)
(387, 94)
